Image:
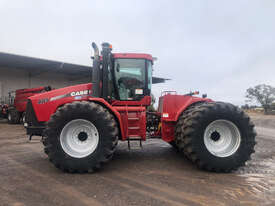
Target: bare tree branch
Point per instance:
(262, 94)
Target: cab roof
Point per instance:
(133, 56)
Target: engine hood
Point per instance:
(71, 91)
(45, 104)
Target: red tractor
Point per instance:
(4, 110)
(81, 124)
(16, 111)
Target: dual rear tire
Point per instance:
(215, 136)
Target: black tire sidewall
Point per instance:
(200, 148)
(105, 141)
(15, 116)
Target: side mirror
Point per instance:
(96, 51)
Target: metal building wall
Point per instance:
(13, 79)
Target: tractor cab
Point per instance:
(132, 76)
(122, 78)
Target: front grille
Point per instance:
(33, 126)
(30, 115)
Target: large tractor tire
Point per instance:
(216, 136)
(80, 136)
(174, 145)
(13, 116)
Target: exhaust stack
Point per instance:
(96, 72)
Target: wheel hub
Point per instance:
(82, 136)
(215, 136)
(79, 138)
(222, 138)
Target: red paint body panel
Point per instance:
(131, 119)
(146, 101)
(132, 56)
(130, 115)
(55, 98)
(173, 106)
(114, 111)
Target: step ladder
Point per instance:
(134, 138)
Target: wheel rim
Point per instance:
(79, 138)
(222, 138)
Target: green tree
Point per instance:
(262, 94)
(246, 106)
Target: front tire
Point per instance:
(80, 136)
(216, 136)
(13, 116)
(174, 145)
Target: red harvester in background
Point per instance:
(16, 111)
(4, 110)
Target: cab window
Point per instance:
(130, 78)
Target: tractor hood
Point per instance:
(77, 91)
(45, 104)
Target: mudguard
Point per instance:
(171, 107)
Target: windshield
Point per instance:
(130, 78)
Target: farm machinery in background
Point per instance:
(4, 110)
(82, 124)
(15, 111)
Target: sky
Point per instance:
(218, 47)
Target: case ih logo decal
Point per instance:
(84, 92)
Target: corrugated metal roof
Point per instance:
(37, 65)
(32, 64)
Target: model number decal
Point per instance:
(43, 101)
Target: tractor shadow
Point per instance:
(155, 154)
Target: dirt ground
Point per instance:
(154, 175)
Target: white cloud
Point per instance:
(218, 47)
